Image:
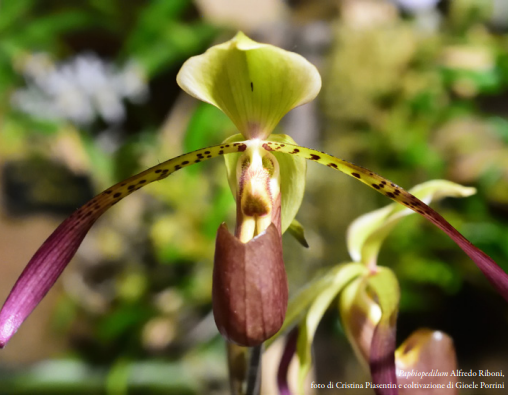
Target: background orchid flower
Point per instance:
(368, 300)
(255, 85)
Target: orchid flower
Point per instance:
(255, 85)
(368, 298)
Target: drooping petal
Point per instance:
(287, 356)
(250, 290)
(385, 286)
(360, 315)
(53, 256)
(304, 298)
(426, 351)
(367, 233)
(292, 177)
(382, 361)
(307, 329)
(254, 84)
(496, 276)
(41, 273)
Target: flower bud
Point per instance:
(426, 350)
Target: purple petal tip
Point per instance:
(382, 360)
(41, 274)
(287, 356)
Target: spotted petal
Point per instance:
(254, 84)
(53, 256)
(496, 276)
(366, 234)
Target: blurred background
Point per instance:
(412, 89)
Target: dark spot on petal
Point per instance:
(131, 187)
(158, 170)
(142, 182)
(389, 194)
(332, 165)
(108, 192)
(164, 171)
(185, 162)
(283, 145)
(118, 194)
(375, 186)
(356, 175)
(383, 182)
(209, 156)
(314, 157)
(207, 152)
(221, 152)
(267, 147)
(242, 147)
(419, 211)
(197, 161)
(295, 151)
(227, 145)
(178, 167)
(251, 87)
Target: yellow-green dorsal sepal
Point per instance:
(254, 84)
(292, 176)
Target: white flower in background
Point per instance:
(78, 90)
(417, 6)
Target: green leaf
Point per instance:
(296, 230)
(292, 177)
(366, 234)
(253, 84)
(343, 275)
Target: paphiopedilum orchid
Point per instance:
(368, 298)
(255, 85)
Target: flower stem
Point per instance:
(244, 365)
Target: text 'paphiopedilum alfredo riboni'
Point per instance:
(255, 85)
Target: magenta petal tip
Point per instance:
(382, 360)
(287, 356)
(41, 273)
